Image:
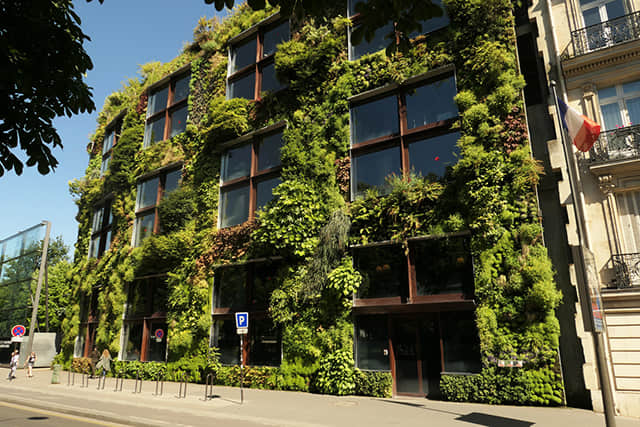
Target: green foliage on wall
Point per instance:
(490, 192)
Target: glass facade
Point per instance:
(167, 110)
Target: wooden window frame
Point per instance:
(414, 302)
(106, 227)
(257, 32)
(256, 313)
(161, 174)
(148, 317)
(405, 136)
(171, 106)
(255, 176)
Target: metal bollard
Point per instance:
(119, 375)
(85, 380)
(138, 381)
(71, 377)
(183, 380)
(208, 387)
(160, 382)
(102, 379)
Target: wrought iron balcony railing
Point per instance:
(616, 144)
(627, 269)
(605, 34)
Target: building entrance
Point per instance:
(416, 362)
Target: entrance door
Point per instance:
(416, 347)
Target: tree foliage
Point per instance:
(42, 63)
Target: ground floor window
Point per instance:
(417, 348)
(262, 346)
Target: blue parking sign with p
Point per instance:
(242, 320)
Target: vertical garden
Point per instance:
(311, 222)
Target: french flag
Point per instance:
(583, 131)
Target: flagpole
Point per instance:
(598, 340)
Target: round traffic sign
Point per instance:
(159, 333)
(18, 331)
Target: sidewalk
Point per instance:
(269, 408)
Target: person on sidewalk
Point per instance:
(13, 364)
(31, 360)
(94, 356)
(104, 363)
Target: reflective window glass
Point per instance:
(431, 103)
(270, 82)
(179, 120)
(230, 288)
(352, 6)
(630, 88)
(611, 116)
(269, 151)
(633, 108)
(234, 206)
(265, 344)
(374, 119)
(434, 155)
(371, 170)
(181, 89)
(443, 266)
(94, 247)
(107, 244)
(144, 227)
(172, 181)
(154, 131)
(244, 87)
(157, 349)
(158, 101)
(460, 341)
(98, 215)
(372, 343)
(384, 271)
(274, 37)
(147, 193)
(434, 23)
(607, 92)
(243, 55)
(105, 165)
(236, 163)
(264, 282)
(133, 340)
(107, 144)
(265, 191)
(377, 43)
(226, 340)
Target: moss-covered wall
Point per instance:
(491, 192)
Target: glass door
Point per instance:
(595, 15)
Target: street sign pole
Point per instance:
(242, 328)
(241, 368)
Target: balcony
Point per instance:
(606, 34)
(627, 270)
(617, 144)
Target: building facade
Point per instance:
(590, 48)
(374, 213)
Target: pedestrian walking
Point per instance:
(105, 362)
(94, 356)
(13, 364)
(31, 360)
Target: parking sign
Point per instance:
(242, 323)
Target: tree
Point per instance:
(407, 16)
(42, 63)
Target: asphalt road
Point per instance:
(18, 416)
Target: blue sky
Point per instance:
(124, 34)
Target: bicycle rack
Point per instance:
(208, 387)
(183, 381)
(159, 382)
(85, 380)
(102, 379)
(138, 381)
(120, 376)
(71, 377)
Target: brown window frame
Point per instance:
(106, 155)
(255, 176)
(458, 300)
(148, 316)
(161, 174)
(405, 136)
(105, 229)
(260, 62)
(257, 313)
(169, 108)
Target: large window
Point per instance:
(250, 172)
(398, 132)
(428, 268)
(620, 105)
(145, 322)
(252, 69)
(101, 227)
(385, 35)
(246, 288)
(111, 136)
(150, 192)
(167, 110)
